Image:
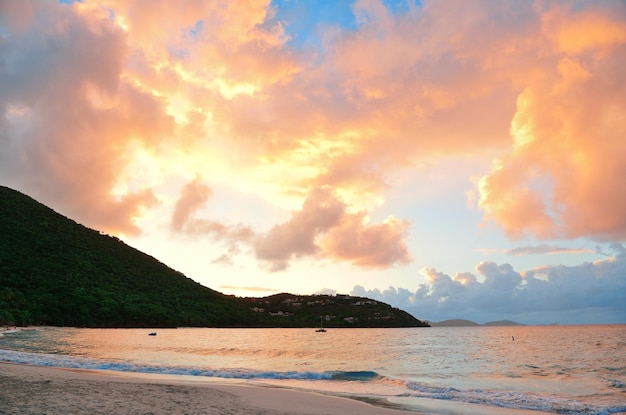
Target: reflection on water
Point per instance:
(555, 368)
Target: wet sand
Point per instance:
(54, 391)
(26, 389)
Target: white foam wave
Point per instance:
(510, 399)
(53, 360)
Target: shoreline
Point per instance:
(33, 385)
(26, 389)
(31, 390)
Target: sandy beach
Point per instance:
(26, 389)
(44, 390)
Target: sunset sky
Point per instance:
(456, 159)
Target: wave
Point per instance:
(410, 389)
(72, 362)
(355, 376)
(510, 399)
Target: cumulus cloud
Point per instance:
(368, 245)
(193, 197)
(585, 293)
(87, 86)
(562, 178)
(325, 228)
(93, 92)
(297, 237)
(68, 119)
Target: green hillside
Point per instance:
(54, 271)
(288, 310)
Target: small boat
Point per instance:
(321, 329)
(152, 334)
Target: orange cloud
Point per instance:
(205, 51)
(379, 101)
(569, 134)
(590, 29)
(297, 237)
(193, 196)
(69, 144)
(367, 245)
(326, 229)
(215, 87)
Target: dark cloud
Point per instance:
(587, 293)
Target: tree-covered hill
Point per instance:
(288, 310)
(55, 271)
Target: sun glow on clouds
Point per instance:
(122, 115)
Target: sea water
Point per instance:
(553, 369)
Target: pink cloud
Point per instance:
(569, 135)
(65, 146)
(368, 245)
(378, 101)
(544, 249)
(83, 83)
(325, 228)
(193, 196)
(17, 15)
(297, 237)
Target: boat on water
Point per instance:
(152, 334)
(321, 329)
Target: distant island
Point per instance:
(54, 271)
(469, 323)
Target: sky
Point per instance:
(455, 159)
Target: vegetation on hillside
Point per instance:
(54, 271)
(288, 310)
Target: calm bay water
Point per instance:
(555, 369)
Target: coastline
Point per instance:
(8, 329)
(33, 390)
(33, 385)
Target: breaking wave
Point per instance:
(70, 362)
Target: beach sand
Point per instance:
(45, 390)
(30, 390)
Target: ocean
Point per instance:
(451, 370)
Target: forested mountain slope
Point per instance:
(55, 271)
